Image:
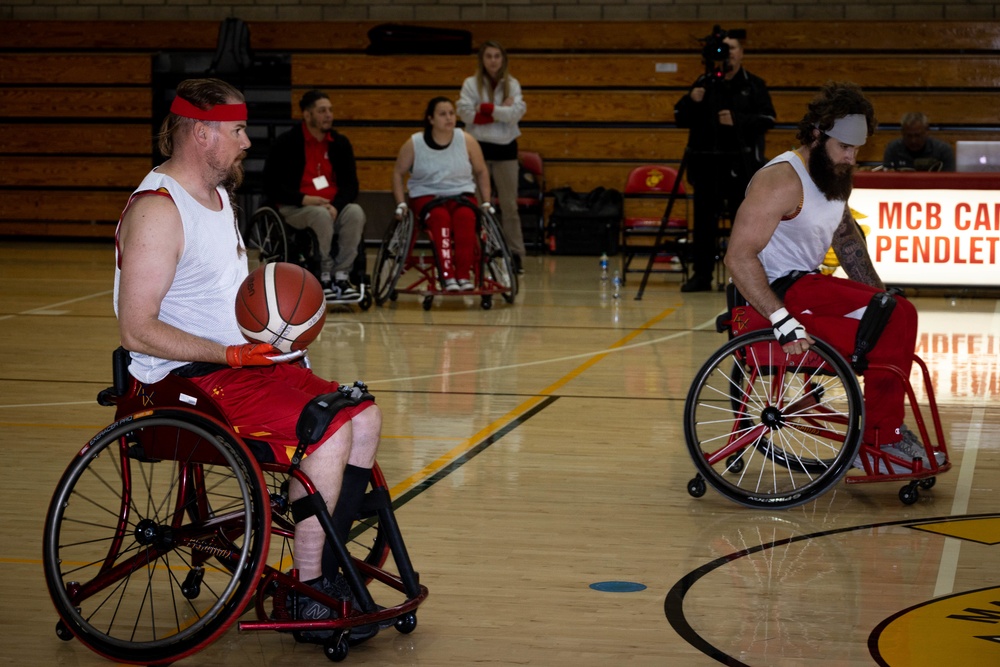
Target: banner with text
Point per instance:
(932, 237)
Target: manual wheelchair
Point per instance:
(396, 261)
(277, 241)
(771, 430)
(167, 526)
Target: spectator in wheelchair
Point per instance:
(443, 161)
(311, 176)
(180, 262)
(795, 209)
(491, 105)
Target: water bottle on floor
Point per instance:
(616, 285)
(604, 267)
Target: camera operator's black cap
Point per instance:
(737, 33)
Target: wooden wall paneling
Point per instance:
(75, 68)
(73, 172)
(77, 102)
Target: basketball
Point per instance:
(281, 304)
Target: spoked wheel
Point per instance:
(391, 258)
(498, 266)
(766, 429)
(266, 233)
(155, 537)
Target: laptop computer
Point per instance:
(977, 156)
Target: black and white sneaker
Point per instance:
(345, 290)
(327, 284)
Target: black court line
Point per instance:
(673, 604)
(469, 455)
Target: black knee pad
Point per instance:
(320, 411)
(872, 323)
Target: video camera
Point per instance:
(715, 51)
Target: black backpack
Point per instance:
(232, 53)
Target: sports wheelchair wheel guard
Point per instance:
(771, 430)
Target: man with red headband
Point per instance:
(180, 262)
(795, 209)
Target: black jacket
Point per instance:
(746, 97)
(286, 162)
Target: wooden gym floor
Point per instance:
(540, 452)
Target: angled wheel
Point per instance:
(498, 265)
(266, 233)
(766, 429)
(137, 530)
(391, 258)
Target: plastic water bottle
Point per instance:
(604, 267)
(616, 285)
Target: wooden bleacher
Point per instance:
(76, 101)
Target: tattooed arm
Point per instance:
(852, 251)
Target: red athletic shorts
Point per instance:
(264, 403)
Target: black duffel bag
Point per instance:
(585, 223)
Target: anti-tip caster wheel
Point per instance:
(336, 648)
(928, 482)
(366, 301)
(909, 494)
(734, 463)
(406, 623)
(487, 302)
(62, 632)
(696, 487)
(428, 302)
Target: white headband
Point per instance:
(852, 129)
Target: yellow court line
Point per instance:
(446, 459)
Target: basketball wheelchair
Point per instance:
(277, 241)
(768, 429)
(397, 262)
(167, 527)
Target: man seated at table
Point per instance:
(916, 150)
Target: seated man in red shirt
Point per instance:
(311, 176)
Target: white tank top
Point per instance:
(801, 242)
(202, 298)
(442, 173)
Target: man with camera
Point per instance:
(727, 111)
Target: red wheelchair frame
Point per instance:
(809, 404)
(495, 269)
(119, 534)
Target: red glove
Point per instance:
(258, 354)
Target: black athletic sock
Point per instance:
(352, 494)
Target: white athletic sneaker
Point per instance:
(450, 285)
(910, 444)
(466, 285)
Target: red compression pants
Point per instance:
(821, 304)
(452, 227)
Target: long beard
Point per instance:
(834, 181)
(230, 176)
(233, 178)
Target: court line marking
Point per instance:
(948, 567)
(42, 310)
(598, 355)
(446, 459)
(617, 347)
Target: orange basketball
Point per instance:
(281, 304)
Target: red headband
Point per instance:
(224, 112)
